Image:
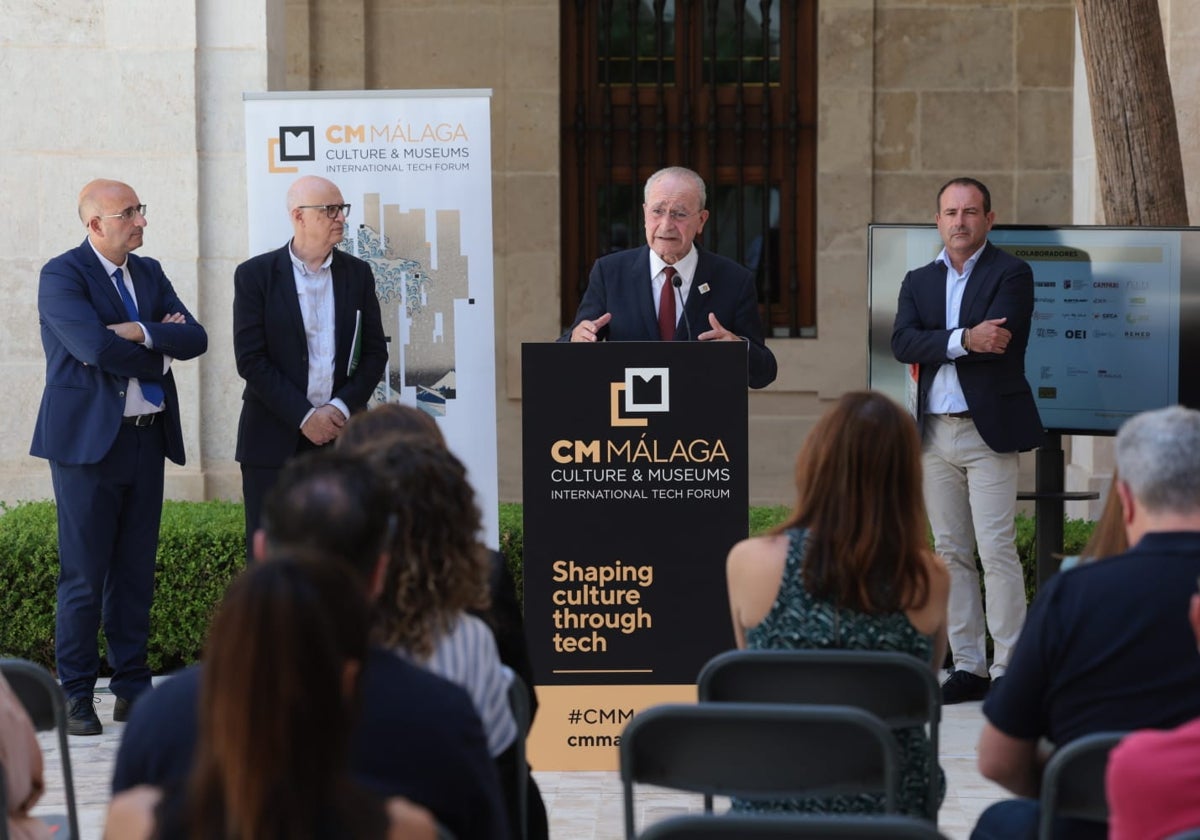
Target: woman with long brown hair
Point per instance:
(278, 696)
(851, 568)
(433, 611)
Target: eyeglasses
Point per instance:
(128, 213)
(676, 215)
(331, 210)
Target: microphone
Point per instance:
(677, 282)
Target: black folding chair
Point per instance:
(1073, 781)
(46, 706)
(897, 688)
(3, 806)
(797, 826)
(518, 701)
(758, 751)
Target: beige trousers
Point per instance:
(971, 498)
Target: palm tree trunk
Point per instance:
(1133, 113)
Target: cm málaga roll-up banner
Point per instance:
(635, 488)
(416, 168)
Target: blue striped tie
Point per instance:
(152, 391)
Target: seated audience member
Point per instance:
(438, 571)
(1108, 535)
(21, 760)
(416, 734)
(850, 569)
(382, 427)
(282, 663)
(367, 431)
(1104, 648)
(1153, 779)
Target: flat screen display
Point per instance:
(1116, 320)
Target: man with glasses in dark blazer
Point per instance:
(308, 339)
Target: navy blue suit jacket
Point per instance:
(997, 393)
(414, 734)
(88, 366)
(621, 284)
(272, 351)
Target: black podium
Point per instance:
(635, 488)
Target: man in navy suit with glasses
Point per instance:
(111, 327)
(667, 288)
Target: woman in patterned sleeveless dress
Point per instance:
(850, 569)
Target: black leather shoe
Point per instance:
(82, 718)
(121, 709)
(963, 687)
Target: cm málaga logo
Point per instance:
(645, 390)
(293, 144)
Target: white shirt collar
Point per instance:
(944, 258)
(109, 265)
(302, 266)
(685, 268)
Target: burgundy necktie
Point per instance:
(666, 307)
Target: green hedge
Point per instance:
(201, 547)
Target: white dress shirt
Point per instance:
(685, 269)
(135, 402)
(945, 394)
(314, 289)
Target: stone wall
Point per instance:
(147, 92)
(910, 93)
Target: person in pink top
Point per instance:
(1153, 778)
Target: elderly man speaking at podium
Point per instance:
(668, 288)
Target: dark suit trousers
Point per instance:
(256, 484)
(108, 517)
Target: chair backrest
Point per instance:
(798, 826)
(759, 751)
(1073, 781)
(46, 706)
(3, 805)
(518, 701)
(897, 688)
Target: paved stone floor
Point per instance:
(582, 806)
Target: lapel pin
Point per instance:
(703, 288)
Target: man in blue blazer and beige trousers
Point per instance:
(111, 326)
(964, 320)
